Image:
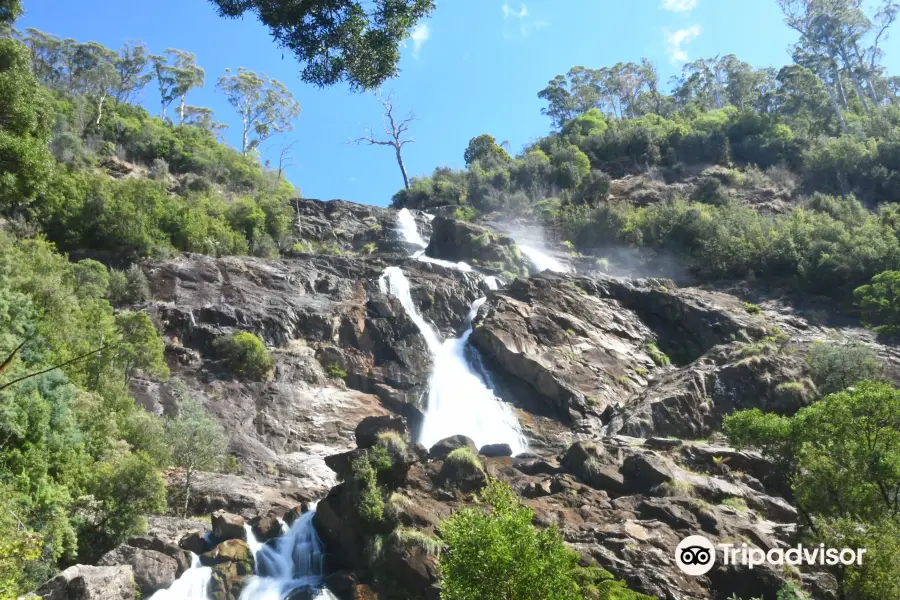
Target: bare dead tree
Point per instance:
(285, 158)
(395, 130)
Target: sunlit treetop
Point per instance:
(338, 40)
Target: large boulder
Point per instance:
(232, 562)
(442, 448)
(490, 251)
(227, 526)
(83, 582)
(368, 429)
(152, 570)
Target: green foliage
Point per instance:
(25, 128)
(369, 499)
(350, 41)
(335, 371)
(842, 455)
(880, 302)
(835, 367)
(752, 308)
(79, 460)
(197, 441)
(657, 355)
(485, 148)
(129, 286)
(494, 552)
(464, 458)
(245, 354)
(413, 538)
(266, 107)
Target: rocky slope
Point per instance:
(613, 381)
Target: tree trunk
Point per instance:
(837, 108)
(187, 493)
(246, 135)
(100, 109)
(402, 168)
(839, 88)
(181, 110)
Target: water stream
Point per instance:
(543, 261)
(460, 395)
(191, 585)
(288, 563)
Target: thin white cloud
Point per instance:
(677, 40)
(509, 12)
(527, 26)
(679, 5)
(419, 36)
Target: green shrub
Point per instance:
(835, 367)
(658, 356)
(494, 552)
(391, 441)
(739, 504)
(752, 308)
(710, 190)
(245, 354)
(335, 371)
(129, 286)
(409, 539)
(464, 213)
(396, 504)
(880, 302)
(464, 458)
(368, 497)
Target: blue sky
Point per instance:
(474, 67)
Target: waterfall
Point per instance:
(190, 586)
(460, 400)
(394, 282)
(408, 228)
(543, 261)
(492, 282)
(288, 563)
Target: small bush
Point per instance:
(739, 504)
(675, 488)
(245, 354)
(880, 302)
(391, 441)
(464, 458)
(129, 286)
(396, 504)
(409, 539)
(835, 367)
(659, 357)
(752, 308)
(710, 190)
(369, 502)
(464, 213)
(335, 371)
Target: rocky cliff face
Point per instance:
(613, 381)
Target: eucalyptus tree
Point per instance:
(395, 130)
(266, 107)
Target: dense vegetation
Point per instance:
(842, 457)
(494, 552)
(94, 173)
(790, 173)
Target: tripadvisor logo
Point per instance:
(696, 555)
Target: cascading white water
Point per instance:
(461, 402)
(543, 261)
(408, 229)
(190, 586)
(394, 282)
(492, 282)
(288, 563)
(459, 399)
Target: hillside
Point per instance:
(674, 315)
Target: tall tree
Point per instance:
(265, 105)
(338, 40)
(560, 103)
(187, 76)
(204, 118)
(394, 129)
(10, 10)
(165, 81)
(131, 67)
